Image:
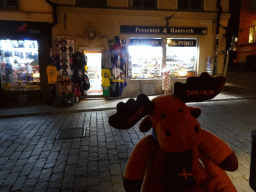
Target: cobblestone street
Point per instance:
(32, 159)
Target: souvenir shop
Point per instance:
(23, 46)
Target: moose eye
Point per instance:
(196, 128)
(163, 116)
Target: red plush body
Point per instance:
(179, 155)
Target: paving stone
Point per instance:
(103, 166)
(70, 170)
(113, 160)
(62, 158)
(106, 187)
(32, 159)
(82, 163)
(92, 179)
(21, 148)
(102, 150)
(80, 184)
(36, 151)
(17, 169)
(56, 180)
(44, 155)
(21, 162)
(81, 172)
(68, 183)
(45, 175)
(42, 187)
(53, 155)
(59, 167)
(118, 188)
(103, 157)
(104, 177)
(15, 155)
(29, 185)
(116, 179)
(10, 180)
(5, 189)
(56, 148)
(29, 148)
(40, 163)
(25, 155)
(92, 166)
(115, 169)
(50, 163)
(1, 181)
(83, 155)
(64, 151)
(93, 156)
(93, 189)
(72, 159)
(19, 183)
(3, 160)
(53, 190)
(36, 172)
(9, 164)
(26, 169)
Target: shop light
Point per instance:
(36, 75)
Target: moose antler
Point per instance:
(129, 113)
(199, 89)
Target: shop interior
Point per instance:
(94, 72)
(19, 65)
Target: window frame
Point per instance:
(131, 4)
(190, 8)
(6, 7)
(251, 30)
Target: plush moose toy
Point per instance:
(178, 156)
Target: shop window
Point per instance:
(252, 34)
(144, 4)
(181, 57)
(145, 58)
(190, 5)
(8, 4)
(19, 65)
(91, 3)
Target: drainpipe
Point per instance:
(217, 37)
(55, 17)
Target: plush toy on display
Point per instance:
(178, 155)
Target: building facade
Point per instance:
(246, 49)
(139, 40)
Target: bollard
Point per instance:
(252, 179)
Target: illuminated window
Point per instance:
(252, 34)
(181, 57)
(145, 59)
(143, 3)
(190, 5)
(19, 65)
(8, 4)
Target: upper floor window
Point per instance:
(147, 4)
(252, 34)
(8, 4)
(190, 5)
(91, 3)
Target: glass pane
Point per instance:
(181, 61)
(137, 3)
(183, 4)
(19, 65)
(196, 4)
(149, 3)
(146, 62)
(251, 34)
(12, 4)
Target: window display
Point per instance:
(181, 57)
(145, 59)
(19, 65)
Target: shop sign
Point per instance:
(181, 42)
(127, 29)
(147, 42)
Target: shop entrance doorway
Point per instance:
(94, 59)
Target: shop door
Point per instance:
(94, 72)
